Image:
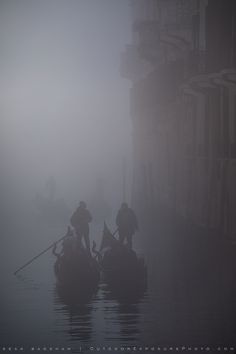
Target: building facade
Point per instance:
(182, 64)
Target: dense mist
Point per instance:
(121, 111)
(64, 105)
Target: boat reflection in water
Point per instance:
(102, 317)
(76, 311)
(122, 309)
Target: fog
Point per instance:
(64, 105)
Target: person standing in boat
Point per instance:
(80, 221)
(127, 224)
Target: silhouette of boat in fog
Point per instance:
(76, 271)
(122, 269)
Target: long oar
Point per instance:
(40, 254)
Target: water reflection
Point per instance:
(77, 311)
(123, 310)
(74, 296)
(163, 314)
(102, 317)
(125, 295)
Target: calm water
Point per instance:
(34, 314)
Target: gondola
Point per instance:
(122, 269)
(76, 271)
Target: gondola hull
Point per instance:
(77, 277)
(124, 273)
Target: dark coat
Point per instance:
(126, 221)
(81, 218)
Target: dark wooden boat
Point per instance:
(77, 272)
(123, 270)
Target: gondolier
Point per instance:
(127, 224)
(80, 221)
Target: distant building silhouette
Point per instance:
(182, 64)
